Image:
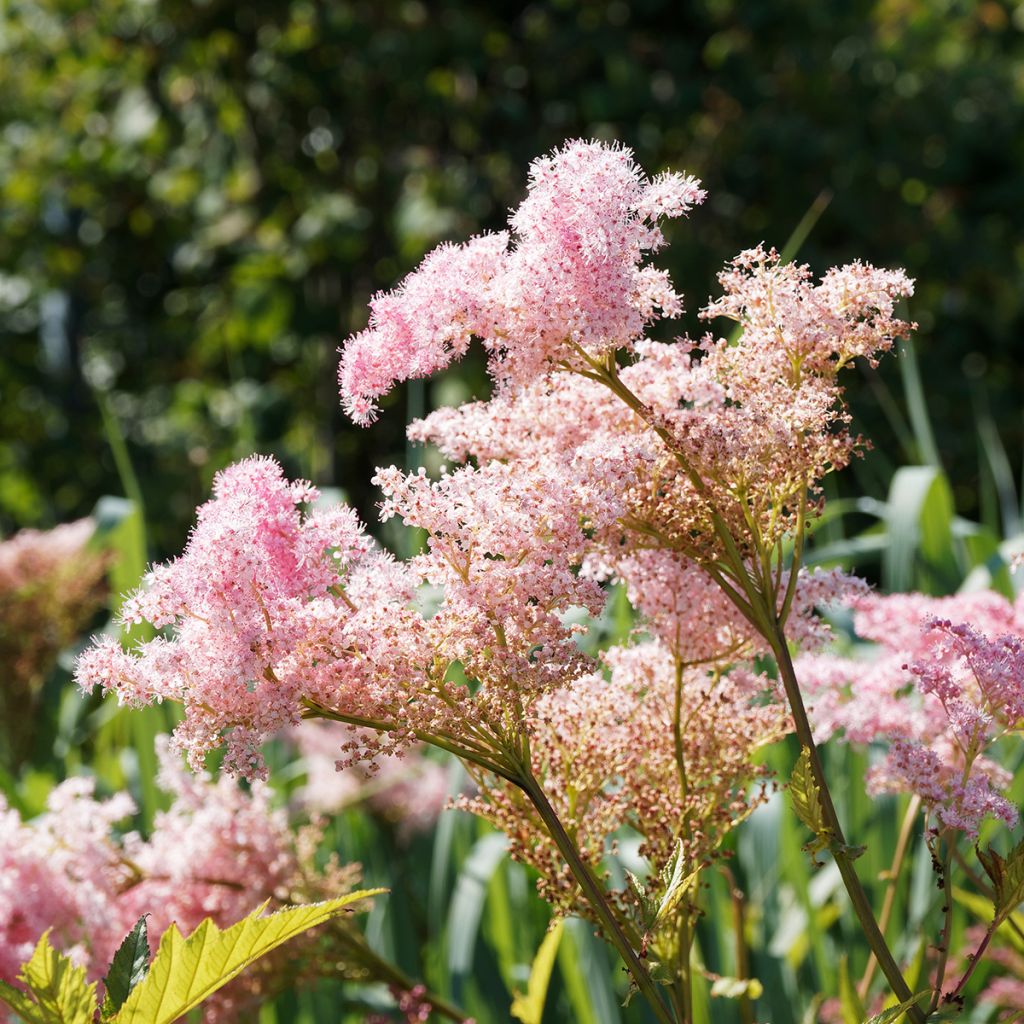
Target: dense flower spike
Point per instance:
(274, 612)
(255, 579)
(964, 656)
(572, 279)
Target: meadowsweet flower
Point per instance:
(568, 278)
(274, 612)
(219, 851)
(603, 750)
(257, 601)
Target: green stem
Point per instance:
(858, 898)
(947, 927)
(594, 895)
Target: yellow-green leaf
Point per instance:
(187, 971)
(806, 798)
(678, 885)
(58, 990)
(895, 1012)
(529, 1008)
(27, 1009)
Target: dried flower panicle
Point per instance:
(603, 750)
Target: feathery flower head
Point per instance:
(569, 277)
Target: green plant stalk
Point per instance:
(858, 898)
(594, 895)
(947, 928)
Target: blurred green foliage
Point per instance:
(197, 197)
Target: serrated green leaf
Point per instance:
(22, 1005)
(129, 966)
(806, 800)
(678, 885)
(529, 1008)
(187, 971)
(1007, 876)
(58, 990)
(895, 1012)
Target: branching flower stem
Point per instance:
(514, 769)
(758, 605)
(594, 894)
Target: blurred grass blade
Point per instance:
(584, 967)
(529, 1008)
(850, 1003)
(920, 533)
(468, 900)
(997, 462)
(913, 389)
(806, 225)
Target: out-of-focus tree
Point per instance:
(197, 198)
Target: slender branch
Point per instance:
(594, 894)
(902, 844)
(387, 972)
(947, 927)
(952, 997)
(451, 744)
(858, 898)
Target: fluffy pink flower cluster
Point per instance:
(274, 611)
(51, 584)
(945, 681)
(217, 852)
(570, 278)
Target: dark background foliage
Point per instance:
(198, 198)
